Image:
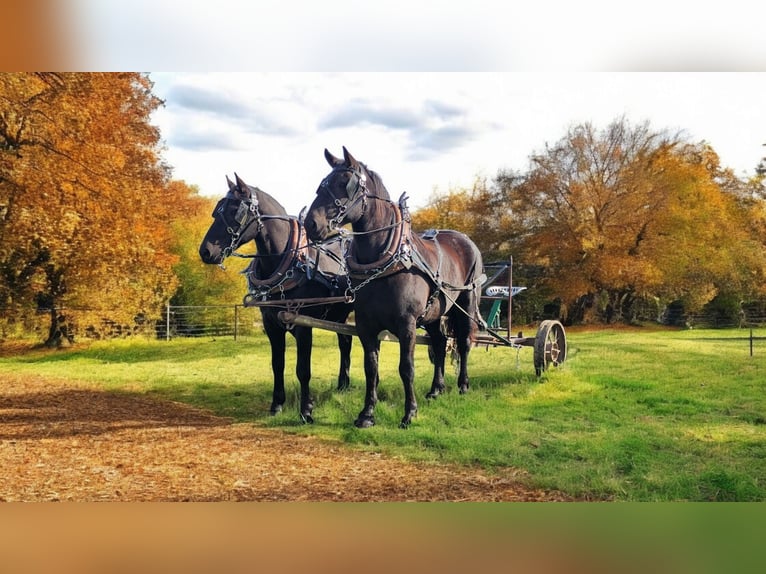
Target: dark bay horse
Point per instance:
(400, 280)
(285, 267)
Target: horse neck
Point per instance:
(369, 243)
(271, 242)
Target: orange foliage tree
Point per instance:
(472, 211)
(85, 200)
(617, 219)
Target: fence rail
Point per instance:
(232, 320)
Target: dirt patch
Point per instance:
(78, 443)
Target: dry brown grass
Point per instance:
(65, 442)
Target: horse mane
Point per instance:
(266, 202)
(380, 188)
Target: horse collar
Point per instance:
(394, 257)
(292, 258)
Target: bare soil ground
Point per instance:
(79, 443)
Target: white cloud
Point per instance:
(421, 131)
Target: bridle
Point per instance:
(247, 213)
(356, 191)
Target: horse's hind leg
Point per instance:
(344, 346)
(438, 349)
(463, 334)
(303, 341)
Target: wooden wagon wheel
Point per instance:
(550, 346)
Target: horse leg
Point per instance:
(344, 346)
(303, 342)
(371, 347)
(276, 335)
(463, 330)
(407, 373)
(438, 356)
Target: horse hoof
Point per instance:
(275, 410)
(364, 422)
(306, 418)
(433, 393)
(343, 386)
(463, 389)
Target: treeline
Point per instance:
(89, 215)
(622, 224)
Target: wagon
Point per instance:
(549, 343)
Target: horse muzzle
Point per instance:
(316, 229)
(210, 255)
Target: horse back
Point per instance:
(452, 254)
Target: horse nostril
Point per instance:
(204, 254)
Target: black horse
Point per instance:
(285, 267)
(399, 280)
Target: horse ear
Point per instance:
(331, 159)
(350, 160)
(231, 184)
(244, 189)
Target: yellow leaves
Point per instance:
(86, 190)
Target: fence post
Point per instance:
(167, 323)
(510, 294)
(236, 320)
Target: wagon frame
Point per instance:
(549, 343)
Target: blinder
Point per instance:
(247, 213)
(357, 181)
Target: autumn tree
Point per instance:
(472, 211)
(629, 215)
(84, 197)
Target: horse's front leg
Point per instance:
(303, 342)
(344, 347)
(407, 373)
(438, 350)
(276, 335)
(371, 346)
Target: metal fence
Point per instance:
(233, 321)
(209, 321)
(78, 323)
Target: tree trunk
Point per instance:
(59, 333)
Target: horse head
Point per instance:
(342, 195)
(237, 219)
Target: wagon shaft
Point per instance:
(292, 318)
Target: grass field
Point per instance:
(637, 415)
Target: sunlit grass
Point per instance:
(632, 415)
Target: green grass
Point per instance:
(639, 415)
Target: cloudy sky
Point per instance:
(430, 94)
(428, 131)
